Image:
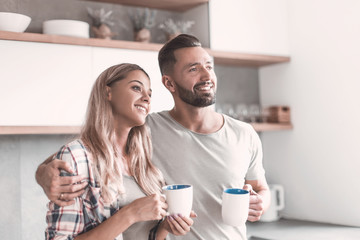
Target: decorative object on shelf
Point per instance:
(172, 28)
(242, 112)
(65, 27)
(142, 20)
(227, 109)
(279, 114)
(254, 113)
(14, 22)
(101, 23)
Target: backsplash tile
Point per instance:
(10, 202)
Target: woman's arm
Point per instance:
(111, 228)
(70, 222)
(76, 220)
(142, 209)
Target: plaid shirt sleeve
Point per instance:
(66, 222)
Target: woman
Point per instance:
(114, 152)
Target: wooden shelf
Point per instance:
(45, 130)
(26, 130)
(170, 5)
(244, 59)
(220, 57)
(265, 127)
(94, 42)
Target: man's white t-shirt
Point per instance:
(209, 162)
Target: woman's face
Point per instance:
(130, 99)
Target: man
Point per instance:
(192, 144)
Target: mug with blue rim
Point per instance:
(235, 206)
(179, 198)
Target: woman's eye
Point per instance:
(136, 88)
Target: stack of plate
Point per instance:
(72, 28)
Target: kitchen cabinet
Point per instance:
(43, 84)
(37, 66)
(257, 26)
(48, 84)
(104, 57)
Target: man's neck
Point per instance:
(201, 120)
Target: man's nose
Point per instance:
(205, 74)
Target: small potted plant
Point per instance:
(172, 28)
(142, 21)
(101, 23)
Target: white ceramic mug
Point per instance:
(179, 198)
(235, 206)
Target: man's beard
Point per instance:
(195, 99)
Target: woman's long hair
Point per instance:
(98, 134)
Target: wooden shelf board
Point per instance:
(245, 59)
(265, 127)
(220, 57)
(94, 42)
(26, 130)
(170, 5)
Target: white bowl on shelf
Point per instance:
(14, 22)
(64, 27)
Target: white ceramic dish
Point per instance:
(14, 22)
(72, 28)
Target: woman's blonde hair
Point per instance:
(98, 134)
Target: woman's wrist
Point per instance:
(127, 215)
(161, 231)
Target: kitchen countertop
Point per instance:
(286, 229)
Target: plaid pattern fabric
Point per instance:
(89, 209)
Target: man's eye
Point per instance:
(210, 67)
(192, 70)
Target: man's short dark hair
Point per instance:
(166, 54)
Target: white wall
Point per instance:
(319, 161)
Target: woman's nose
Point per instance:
(146, 97)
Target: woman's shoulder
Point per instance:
(76, 154)
(72, 150)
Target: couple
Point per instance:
(114, 160)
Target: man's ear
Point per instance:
(168, 83)
(108, 93)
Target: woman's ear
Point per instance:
(168, 83)
(108, 93)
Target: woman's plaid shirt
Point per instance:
(89, 209)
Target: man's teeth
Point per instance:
(204, 88)
(141, 108)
